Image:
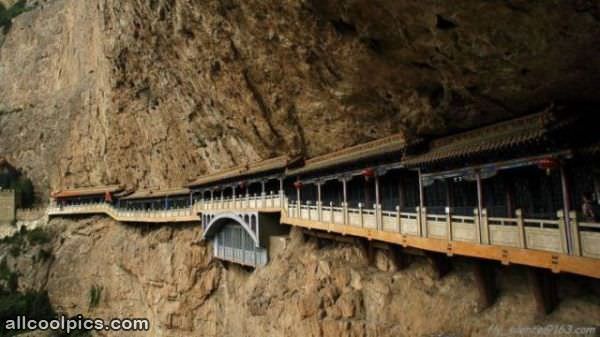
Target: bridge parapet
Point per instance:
(126, 215)
(510, 239)
(267, 202)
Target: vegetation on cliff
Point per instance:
(7, 14)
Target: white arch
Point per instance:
(215, 224)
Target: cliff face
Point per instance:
(156, 92)
(166, 276)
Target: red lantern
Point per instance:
(548, 164)
(242, 184)
(108, 197)
(368, 173)
(298, 185)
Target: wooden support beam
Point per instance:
(440, 263)
(485, 279)
(400, 259)
(369, 250)
(330, 236)
(544, 288)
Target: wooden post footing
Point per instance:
(485, 279)
(440, 263)
(544, 287)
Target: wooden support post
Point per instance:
(401, 197)
(544, 288)
(479, 207)
(369, 251)
(319, 202)
(400, 260)
(479, 192)
(440, 263)
(298, 202)
(566, 209)
(575, 233)
(377, 193)
(485, 279)
(318, 183)
(345, 188)
(421, 191)
(422, 218)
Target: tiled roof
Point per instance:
(383, 146)
(491, 138)
(87, 191)
(157, 193)
(244, 170)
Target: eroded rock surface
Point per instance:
(164, 274)
(153, 93)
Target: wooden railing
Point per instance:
(126, 215)
(186, 214)
(518, 231)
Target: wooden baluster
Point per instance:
(562, 227)
(449, 222)
(398, 220)
(485, 226)
(424, 222)
(521, 227)
(576, 235)
(360, 215)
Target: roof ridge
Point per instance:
(536, 120)
(358, 147)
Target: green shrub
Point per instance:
(15, 250)
(35, 305)
(44, 255)
(7, 14)
(95, 295)
(11, 278)
(38, 236)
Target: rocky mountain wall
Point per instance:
(311, 288)
(153, 93)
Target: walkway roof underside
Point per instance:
(380, 147)
(273, 164)
(158, 193)
(512, 134)
(87, 191)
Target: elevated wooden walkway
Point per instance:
(531, 242)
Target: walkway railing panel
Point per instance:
(409, 223)
(338, 215)
(544, 235)
(391, 221)
(464, 228)
(437, 226)
(589, 239)
(369, 218)
(354, 217)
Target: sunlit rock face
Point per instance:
(310, 288)
(152, 93)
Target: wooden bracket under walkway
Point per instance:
(440, 263)
(485, 279)
(544, 288)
